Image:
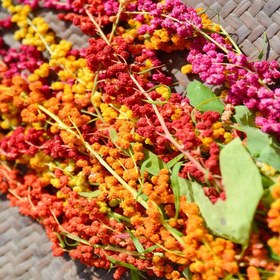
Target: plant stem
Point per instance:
(50, 50)
(165, 129)
(40, 36)
(99, 30)
(224, 32)
(97, 156)
(121, 8)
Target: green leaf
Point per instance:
(173, 161)
(70, 244)
(229, 277)
(134, 275)
(61, 241)
(118, 217)
(233, 217)
(176, 233)
(187, 273)
(264, 46)
(202, 98)
(266, 273)
(271, 156)
(136, 242)
(176, 252)
(266, 182)
(150, 249)
(113, 135)
(175, 186)
(261, 146)
(256, 140)
(75, 237)
(273, 255)
(260, 56)
(267, 197)
(244, 116)
(120, 263)
(156, 102)
(186, 187)
(152, 163)
(90, 194)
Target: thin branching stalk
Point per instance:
(97, 156)
(74, 237)
(204, 34)
(50, 50)
(115, 24)
(165, 129)
(40, 36)
(224, 32)
(16, 195)
(97, 26)
(30, 200)
(193, 25)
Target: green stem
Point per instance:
(119, 217)
(74, 237)
(15, 195)
(29, 199)
(95, 82)
(40, 36)
(204, 34)
(165, 129)
(224, 32)
(116, 22)
(99, 30)
(193, 25)
(50, 51)
(62, 125)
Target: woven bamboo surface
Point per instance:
(25, 252)
(247, 21)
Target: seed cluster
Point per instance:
(97, 146)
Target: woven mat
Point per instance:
(25, 251)
(247, 21)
